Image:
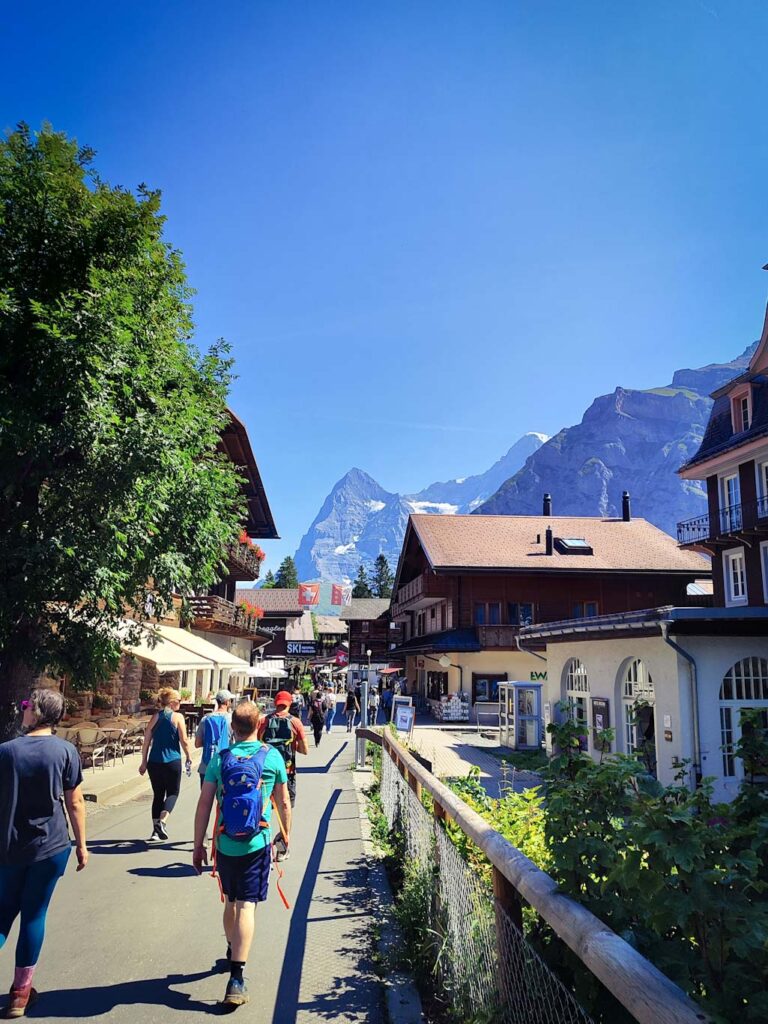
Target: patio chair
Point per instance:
(92, 746)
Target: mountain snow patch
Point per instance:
(441, 508)
(542, 437)
(376, 506)
(344, 549)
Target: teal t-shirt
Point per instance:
(274, 771)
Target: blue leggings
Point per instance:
(26, 889)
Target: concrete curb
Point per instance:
(403, 1002)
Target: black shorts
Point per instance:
(245, 878)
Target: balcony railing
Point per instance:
(729, 520)
(497, 636)
(424, 586)
(217, 615)
(243, 562)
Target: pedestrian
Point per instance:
(373, 705)
(164, 738)
(351, 708)
(317, 715)
(386, 703)
(214, 732)
(285, 733)
(242, 779)
(330, 708)
(40, 775)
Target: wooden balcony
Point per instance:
(497, 636)
(217, 615)
(242, 562)
(419, 592)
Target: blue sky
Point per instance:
(427, 228)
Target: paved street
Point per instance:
(136, 937)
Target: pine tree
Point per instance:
(286, 577)
(383, 579)
(362, 587)
(269, 581)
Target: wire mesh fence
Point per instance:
(484, 966)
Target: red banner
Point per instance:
(337, 594)
(342, 658)
(309, 594)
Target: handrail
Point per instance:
(642, 988)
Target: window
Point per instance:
(573, 546)
(741, 412)
(577, 691)
(364, 626)
(479, 614)
(734, 577)
(762, 490)
(487, 614)
(764, 566)
(730, 504)
(744, 687)
(485, 689)
(638, 699)
(585, 610)
(494, 613)
(437, 685)
(519, 614)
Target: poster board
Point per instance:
(399, 701)
(601, 720)
(405, 716)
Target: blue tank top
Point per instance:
(165, 739)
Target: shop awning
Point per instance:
(166, 655)
(197, 645)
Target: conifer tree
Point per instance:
(382, 580)
(269, 581)
(286, 577)
(362, 587)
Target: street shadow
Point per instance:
(94, 1001)
(177, 870)
(128, 846)
(322, 769)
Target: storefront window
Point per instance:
(437, 685)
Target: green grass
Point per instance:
(524, 760)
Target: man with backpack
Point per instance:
(242, 779)
(285, 733)
(213, 733)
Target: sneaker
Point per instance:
(161, 830)
(155, 837)
(236, 994)
(282, 855)
(18, 1001)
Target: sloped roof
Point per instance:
(367, 608)
(236, 444)
(275, 600)
(330, 624)
(502, 543)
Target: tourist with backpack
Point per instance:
(214, 732)
(351, 708)
(329, 703)
(242, 780)
(317, 715)
(285, 733)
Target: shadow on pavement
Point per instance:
(100, 846)
(95, 1001)
(177, 870)
(322, 769)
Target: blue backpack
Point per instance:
(242, 804)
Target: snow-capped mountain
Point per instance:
(359, 519)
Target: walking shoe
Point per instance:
(236, 994)
(155, 837)
(282, 855)
(162, 831)
(18, 1001)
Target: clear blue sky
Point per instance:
(427, 228)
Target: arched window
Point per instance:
(638, 698)
(577, 689)
(745, 685)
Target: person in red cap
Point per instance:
(285, 733)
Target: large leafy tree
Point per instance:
(382, 579)
(111, 484)
(361, 586)
(287, 576)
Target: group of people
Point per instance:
(247, 768)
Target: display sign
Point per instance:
(301, 648)
(601, 720)
(405, 716)
(399, 701)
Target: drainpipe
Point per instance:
(694, 697)
(522, 650)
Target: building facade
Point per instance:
(371, 628)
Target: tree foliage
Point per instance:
(382, 579)
(269, 581)
(110, 479)
(361, 587)
(286, 577)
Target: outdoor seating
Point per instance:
(92, 746)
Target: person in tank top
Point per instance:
(164, 739)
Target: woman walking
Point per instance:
(317, 716)
(161, 757)
(39, 775)
(351, 708)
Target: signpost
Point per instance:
(301, 648)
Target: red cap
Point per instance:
(283, 697)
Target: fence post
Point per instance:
(506, 899)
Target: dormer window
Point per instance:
(741, 412)
(573, 546)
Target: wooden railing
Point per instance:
(648, 995)
(243, 558)
(497, 636)
(214, 613)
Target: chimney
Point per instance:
(549, 540)
(625, 512)
(547, 509)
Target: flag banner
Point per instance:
(309, 594)
(346, 595)
(342, 658)
(337, 594)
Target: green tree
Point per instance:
(286, 577)
(110, 478)
(362, 587)
(269, 581)
(382, 580)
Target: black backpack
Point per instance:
(279, 734)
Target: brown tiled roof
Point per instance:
(275, 600)
(330, 624)
(365, 607)
(509, 542)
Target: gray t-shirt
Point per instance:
(35, 772)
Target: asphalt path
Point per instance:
(137, 936)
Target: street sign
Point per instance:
(301, 648)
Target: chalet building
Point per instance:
(284, 622)
(332, 632)
(466, 586)
(672, 681)
(370, 629)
